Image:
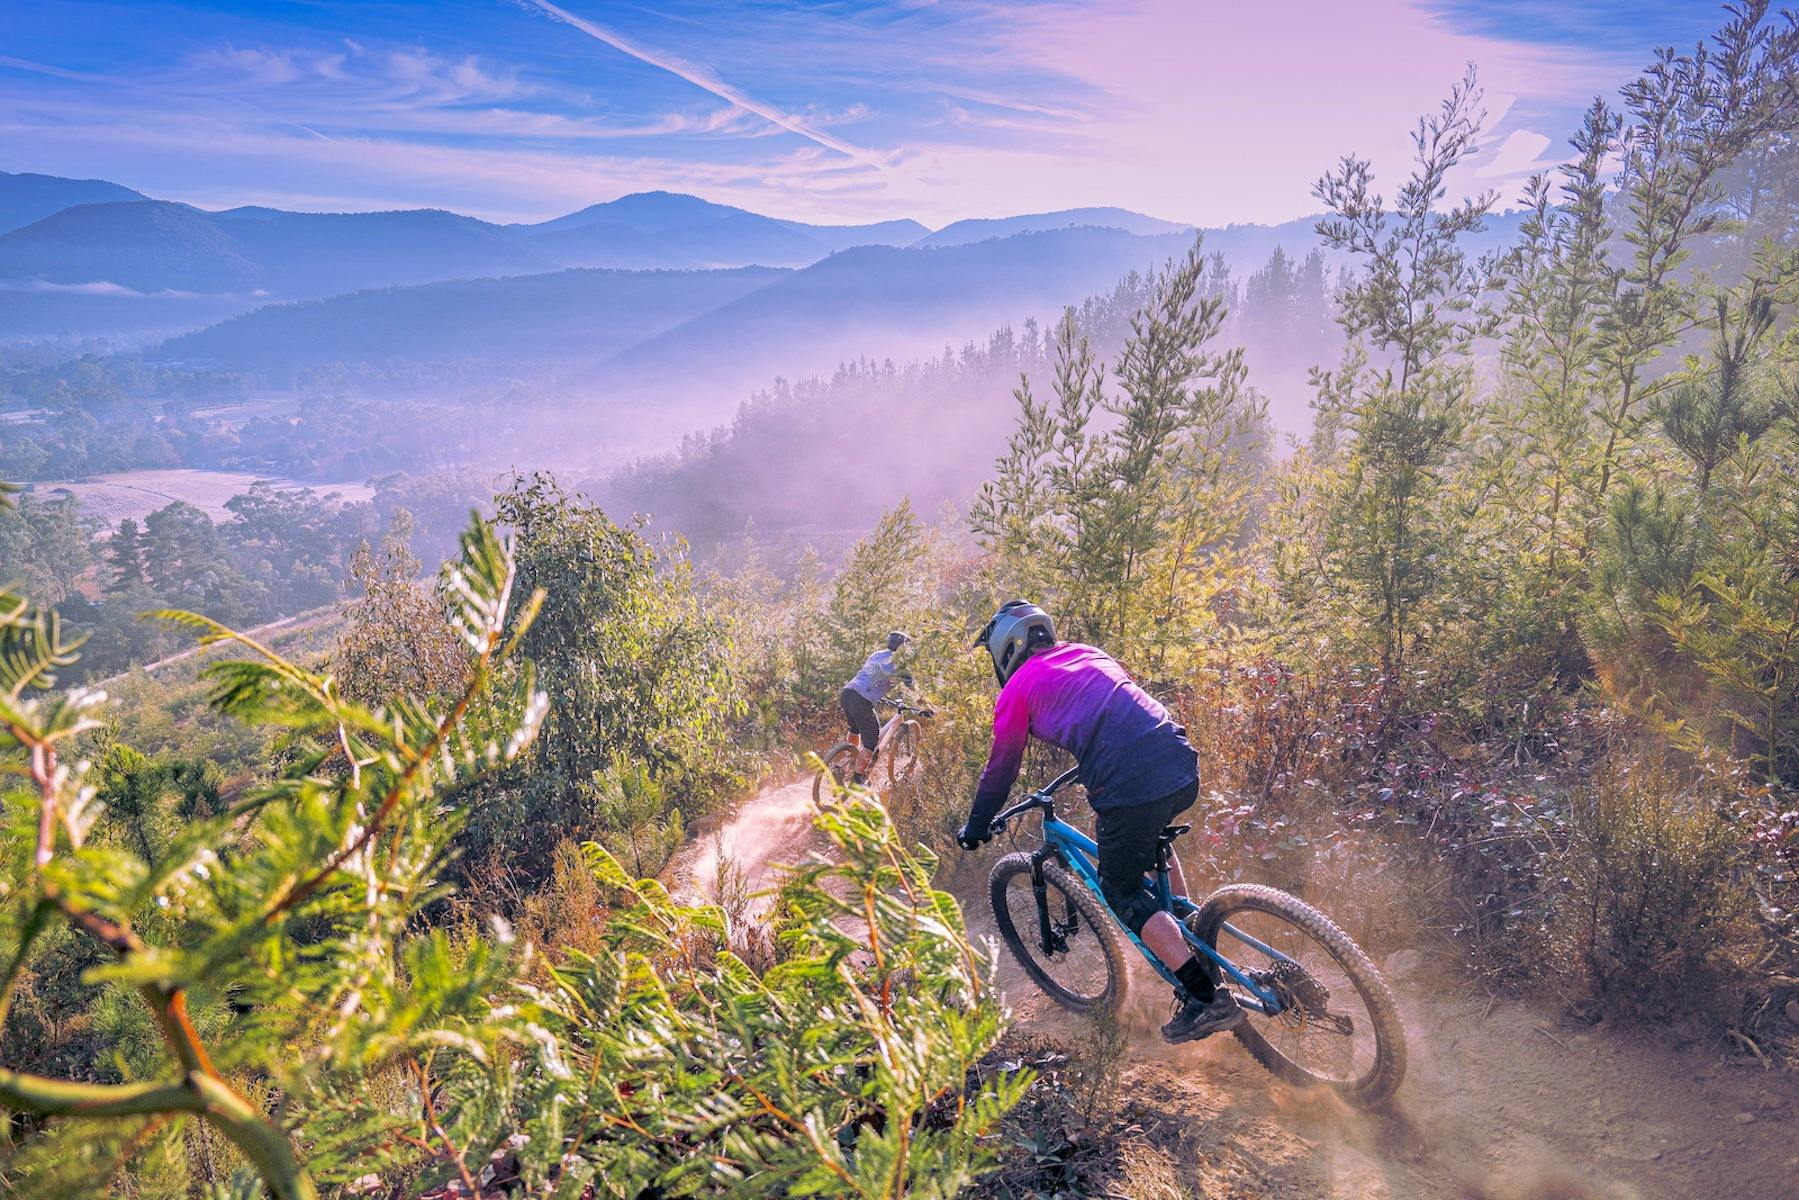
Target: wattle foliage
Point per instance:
(332, 1042)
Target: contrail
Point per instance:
(706, 81)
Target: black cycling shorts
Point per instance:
(859, 710)
(1127, 851)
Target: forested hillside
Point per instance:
(525, 324)
(1498, 665)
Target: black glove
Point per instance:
(971, 838)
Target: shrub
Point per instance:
(1656, 909)
(634, 668)
(662, 1063)
(281, 1018)
(265, 942)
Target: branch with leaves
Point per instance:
(295, 902)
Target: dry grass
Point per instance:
(135, 494)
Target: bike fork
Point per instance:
(1049, 937)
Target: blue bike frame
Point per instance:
(1079, 854)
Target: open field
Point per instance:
(113, 498)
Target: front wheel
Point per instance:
(1061, 935)
(840, 765)
(902, 752)
(1339, 1027)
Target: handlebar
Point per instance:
(1043, 797)
(902, 706)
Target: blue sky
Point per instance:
(851, 111)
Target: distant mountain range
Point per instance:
(571, 317)
(656, 307)
(81, 257)
(151, 246)
(963, 232)
(687, 343)
(666, 229)
(66, 237)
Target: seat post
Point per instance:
(1165, 844)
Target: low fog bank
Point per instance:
(815, 463)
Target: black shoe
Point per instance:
(1200, 1018)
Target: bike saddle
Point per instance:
(1167, 836)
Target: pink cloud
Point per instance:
(1218, 112)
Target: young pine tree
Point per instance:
(1116, 505)
(1402, 403)
(125, 555)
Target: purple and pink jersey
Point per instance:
(1128, 748)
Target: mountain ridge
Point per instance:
(503, 322)
(27, 197)
(872, 301)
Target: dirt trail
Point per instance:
(1502, 1100)
(298, 621)
(769, 831)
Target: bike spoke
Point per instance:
(1330, 1036)
(1078, 963)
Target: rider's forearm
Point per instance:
(980, 814)
(996, 784)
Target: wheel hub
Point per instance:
(1301, 996)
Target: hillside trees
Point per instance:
(125, 556)
(1122, 507)
(44, 545)
(638, 673)
(1402, 397)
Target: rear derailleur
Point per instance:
(1301, 995)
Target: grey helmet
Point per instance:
(1018, 628)
(897, 638)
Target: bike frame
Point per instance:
(889, 727)
(1078, 852)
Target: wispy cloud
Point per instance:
(707, 81)
(1519, 156)
(99, 287)
(850, 111)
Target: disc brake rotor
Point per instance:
(1302, 997)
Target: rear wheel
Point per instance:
(840, 765)
(1083, 966)
(1340, 1027)
(902, 752)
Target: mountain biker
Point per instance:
(880, 671)
(1136, 764)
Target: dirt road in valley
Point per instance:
(1503, 1100)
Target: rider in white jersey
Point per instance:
(880, 672)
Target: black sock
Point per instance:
(1196, 980)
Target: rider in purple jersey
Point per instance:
(1136, 764)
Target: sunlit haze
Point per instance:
(1192, 110)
